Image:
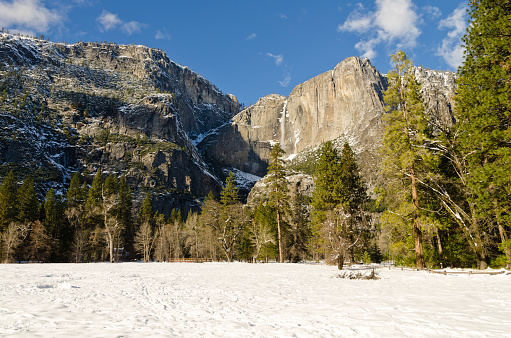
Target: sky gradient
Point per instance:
(255, 48)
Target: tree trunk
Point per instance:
(417, 233)
(111, 246)
(503, 235)
(340, 262)
(439, 243)
(281, 259)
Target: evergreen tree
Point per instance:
(8, 201)
(483, 107)
(77, 192)
(406, 130)
(229, 194)
(338, 198)
(94, 196)
(352, 190)
(53, 216)
(146, 213)
(232, 219)
(27, 202)
(125, 213)
(110, 187)
(326, 180)
(75, 214)
(299, 232)
(278, 192)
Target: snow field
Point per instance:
(240, 300)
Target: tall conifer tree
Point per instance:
(278, 192)
(27, 201)
(8, 201)
(406, 128)
(483, 107)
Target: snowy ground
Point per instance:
(239, 300)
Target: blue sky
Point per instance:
(255, 48)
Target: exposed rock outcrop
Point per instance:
(87, 106)
(346, 101)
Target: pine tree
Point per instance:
(326, 180)
(125, 213)
(405, 135)
(326, 194)
(77, 192)
(338, 198)
(232, 219)
(352, 190)
(53, 216)
(75, 214)
(278, 192)
(146, 213)
(110, 187)
(94, 197)
(8, 201)
(483, 107)
(229, 194)
(27, 202)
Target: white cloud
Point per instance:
(28, 16)
(279, 59)
(131, 27)
(451, 50)
(356, 22)
(287, 79)
(282, 16)
(286, 72)
(162, 35)
(252, 36)
(110, 21)
(432, 11)
(394, 21)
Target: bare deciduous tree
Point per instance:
(144, 241)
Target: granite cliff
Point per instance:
(341, 105)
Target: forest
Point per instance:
(443, 197)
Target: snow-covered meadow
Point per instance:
(239, 300)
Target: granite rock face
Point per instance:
(345, 102)
(342, 105)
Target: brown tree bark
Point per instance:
(281, 256)
(417, 232)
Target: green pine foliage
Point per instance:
(8, 201)
(230, 193)
(405, 153)
(28, 205)
(77, 192)
(483, 107)
(278, 194)
(146, 213)
(338, 222)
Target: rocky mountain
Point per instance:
(131, 110)
(341, 105)
(123, 108)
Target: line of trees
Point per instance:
(97, 222)
(450, 186)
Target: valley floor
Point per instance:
(240, 300)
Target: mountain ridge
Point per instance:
(131, 110)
